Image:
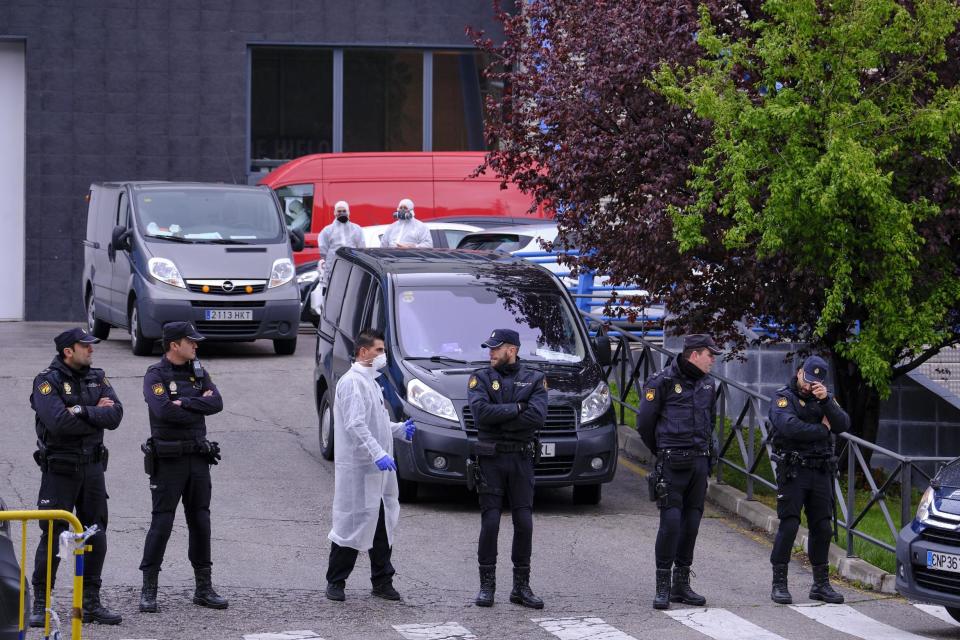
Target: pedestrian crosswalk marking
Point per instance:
(721, 624)
(581, 629)
(435, 631)
(937, 612)
(284, 635)
(846, 619)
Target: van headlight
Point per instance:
(165, 271)
(923, 509)
(595, 404)
(282, 272)
(423, 397)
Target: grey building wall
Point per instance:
(136, 90)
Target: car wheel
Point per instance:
(954, 612)
(326, 427)
(285, 347)
(98, 328)
(139, 343)
(587, 493)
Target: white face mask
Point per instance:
(379, 362)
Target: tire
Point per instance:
(325, 416)
(285, 347)
(98, 328)
(587, 493)
(954, 612)
(139, 343)
(408, 490)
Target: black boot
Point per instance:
(93, 609)
(148, 593)
(204, 595)
(335, 591)
(488, 585)
(662, 599)
(780, 594)
(522, 594)
(821, 589)
(38, 613)
(386, 591)
(680, 591)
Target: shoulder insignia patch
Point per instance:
(45, 388)
(650, 395)
(158, 389)
(496, 385)
(782, 402)
(473, 382)
(67, 388)
(678, 388)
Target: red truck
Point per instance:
(373, 183)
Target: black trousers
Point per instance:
(680, 517)
(343, 559)
(812, 490)
(510, 476)
(86, 492)
(186, 478)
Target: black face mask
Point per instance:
(343, 219)
(403, 215)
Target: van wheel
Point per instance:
(285, 347)
(954, 612)
(408, 490)
(98, 328)
(587, 493)
(326, 427)
(139, 343)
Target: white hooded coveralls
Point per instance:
(332, 237)
(362, 434)
(410, 231)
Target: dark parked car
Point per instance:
(436, 306)
(928, 549)
(308, 276)
(9, 584)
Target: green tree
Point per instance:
(833, 152)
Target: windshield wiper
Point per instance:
(441, 359)
(225, 241)
(174, 239)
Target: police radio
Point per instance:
(198, 372)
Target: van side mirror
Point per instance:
(120, 239)
(601, 346)
(296, 239)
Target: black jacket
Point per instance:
(494, 397)
(677, 411)
(164, 383)
(797, 421)
(55, 390)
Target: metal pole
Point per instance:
(748, 463)
(851, 498)
(906, 492)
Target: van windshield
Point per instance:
(453, 321)
(209, 215)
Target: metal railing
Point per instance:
(744, 443)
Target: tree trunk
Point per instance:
(860, 400)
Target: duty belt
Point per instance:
(795, 458)
(683, 453)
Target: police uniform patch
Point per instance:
(473, 382)
(158, 389)
(802, 403)
(678, 388)
(106, 382)
(781, 402)
(45, 388)
(173, 386)
(545, 384)
(650, 395)
(496, 385)
(67, 388)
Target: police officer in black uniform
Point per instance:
(74, 403)
(509, 403)
(804, 416)
(179, 395)
(676, 421)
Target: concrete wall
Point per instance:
(158, 90)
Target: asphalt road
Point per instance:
(271, 513)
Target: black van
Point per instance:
(435, 308)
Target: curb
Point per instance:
(762, 517)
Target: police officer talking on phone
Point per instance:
(509, 404)
(179, 395)
(804, 415)
(74, 404)
(676, 421)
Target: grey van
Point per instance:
(215, 254)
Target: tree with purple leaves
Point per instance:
(791, 166)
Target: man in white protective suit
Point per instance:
(407, 232)
(366, 507)
(339, 233)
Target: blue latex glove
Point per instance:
(410, 428)
(386, 463)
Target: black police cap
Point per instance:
(177, 330)
(701, 341)
(501, 336)
(71, 337)
(814, 369)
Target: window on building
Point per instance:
(459, 90)
(382, 100)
